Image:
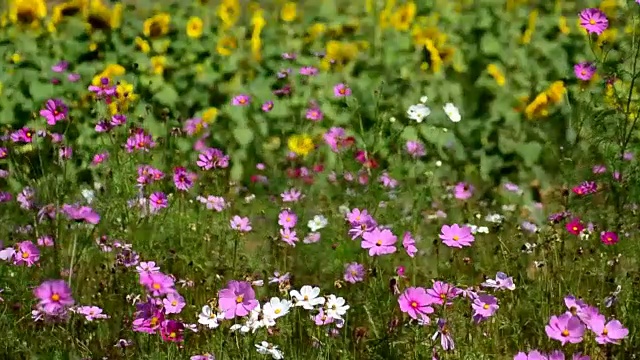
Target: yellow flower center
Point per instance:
(565, 332)
(605, 331)
(25, 255)
(443, 296)
(55, 297)
(306, 298)
(277, 311)
(485, 306)
(583, 72)
(592, 22)
(174, 303)
(154, 321)
(156, 286)
(414, 304)
(173, 335)
(575, 228)
(239, 298)
(456, 238)
(379, 243)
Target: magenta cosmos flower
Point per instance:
(409, 244)
(54, 110)
(81, 213)
(575, 226)
(607, 332)
(594, 20)
(584, 70)
(241, 100)
(415, 302)
(237, 299)
(354, 273)
(442, 293)
(171, 330)
(565, 328)
(157, 284)
(27, 253)
(533, 355)
(463, 191)
(241, 224)
(341, 90)
(54, 296)
(287, 219)
(609, 238)
(456, 236)
(379, 242)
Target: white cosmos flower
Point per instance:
(308, 297)
(478, 229)
(251, 323)
(88, 195)
(209, 318)
(418, 112)
(265, 348)
(276, 308)
(335, 307)
(452, 112)
(318, 222)
(494, 218)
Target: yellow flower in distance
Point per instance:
(194, 27)
(538, 107)
(556, 92)
(27, 12)
(496, 74)
(157, 25)
(123, 99)
(226, 45)
(229, 12)
(210, 115)
(142, 44)
(157, 64)
(289, 12)
(402, 19)
(301, 145)
(101, 17)
(563, 25)
(68, 9)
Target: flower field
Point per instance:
(364, 179)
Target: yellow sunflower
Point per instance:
(142, 44)
(288, 12)
(102, 17)
(157, 25)
(229, 12)
(27, 12)
(68, 9)
(194, 27)
(402, 19)
(301, 145)
(157, 64)
(226, 45)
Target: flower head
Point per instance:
(54, 297)
(566, 328)
(237, 299)
(415, 302)
(584, 71)
(456, 236)
(594, 20)
(379, 242)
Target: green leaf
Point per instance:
(236, 172)
(166, 96)
(530, 152)
(490, 45)
(41, 91)
(244, 136)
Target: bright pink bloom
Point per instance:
(415, 302)
(379, 242)
(54, 296)
(608, 332)
(409, 244)
(574, 226)
(341, 90)
(609, 238)
(442, 293)
(565, 328)
(594, 20)
(237, 299)
(456, 236)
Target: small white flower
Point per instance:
(276, 308)
(418, 112)
(478, 229)
(452, 112)
(392, 119)
(336, 307)
(265, 348)
(424, 99)
(318, 222)
(494, 218)
(308, 297)
(251, 323)
(509, 208)
(258, 283)
(344, 209)
(88, 195)
(528, 248)
(209, 318)
(438, 163)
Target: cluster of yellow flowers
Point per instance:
(539, 107)
(124, 91)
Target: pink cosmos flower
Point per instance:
(27, 253)
(484, 306)
(183, 179)
(442, 293)
(241, 100)
(237, 299)
(54, 296)
(574, 226)
(594, 20)
(216, 203)
(45, 240)
(608, 332)
(409, 244)
(148, 267)
(267, 106)
(415, 302)
(456, 236)
(341, 90)
(81, 213)
(463, 191)
(291, 195)
(314, 114)
(379, 242)
(157, 284)
(287, 219)
(354, 273)
(566, 328)
(157, 200)
(289, 236)
(241, 224)
(55, 110)
(609, 238)
(415, 149)
(172, 330)
(91, 313)
(173, 303)
(533, 355)
(584, 70)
